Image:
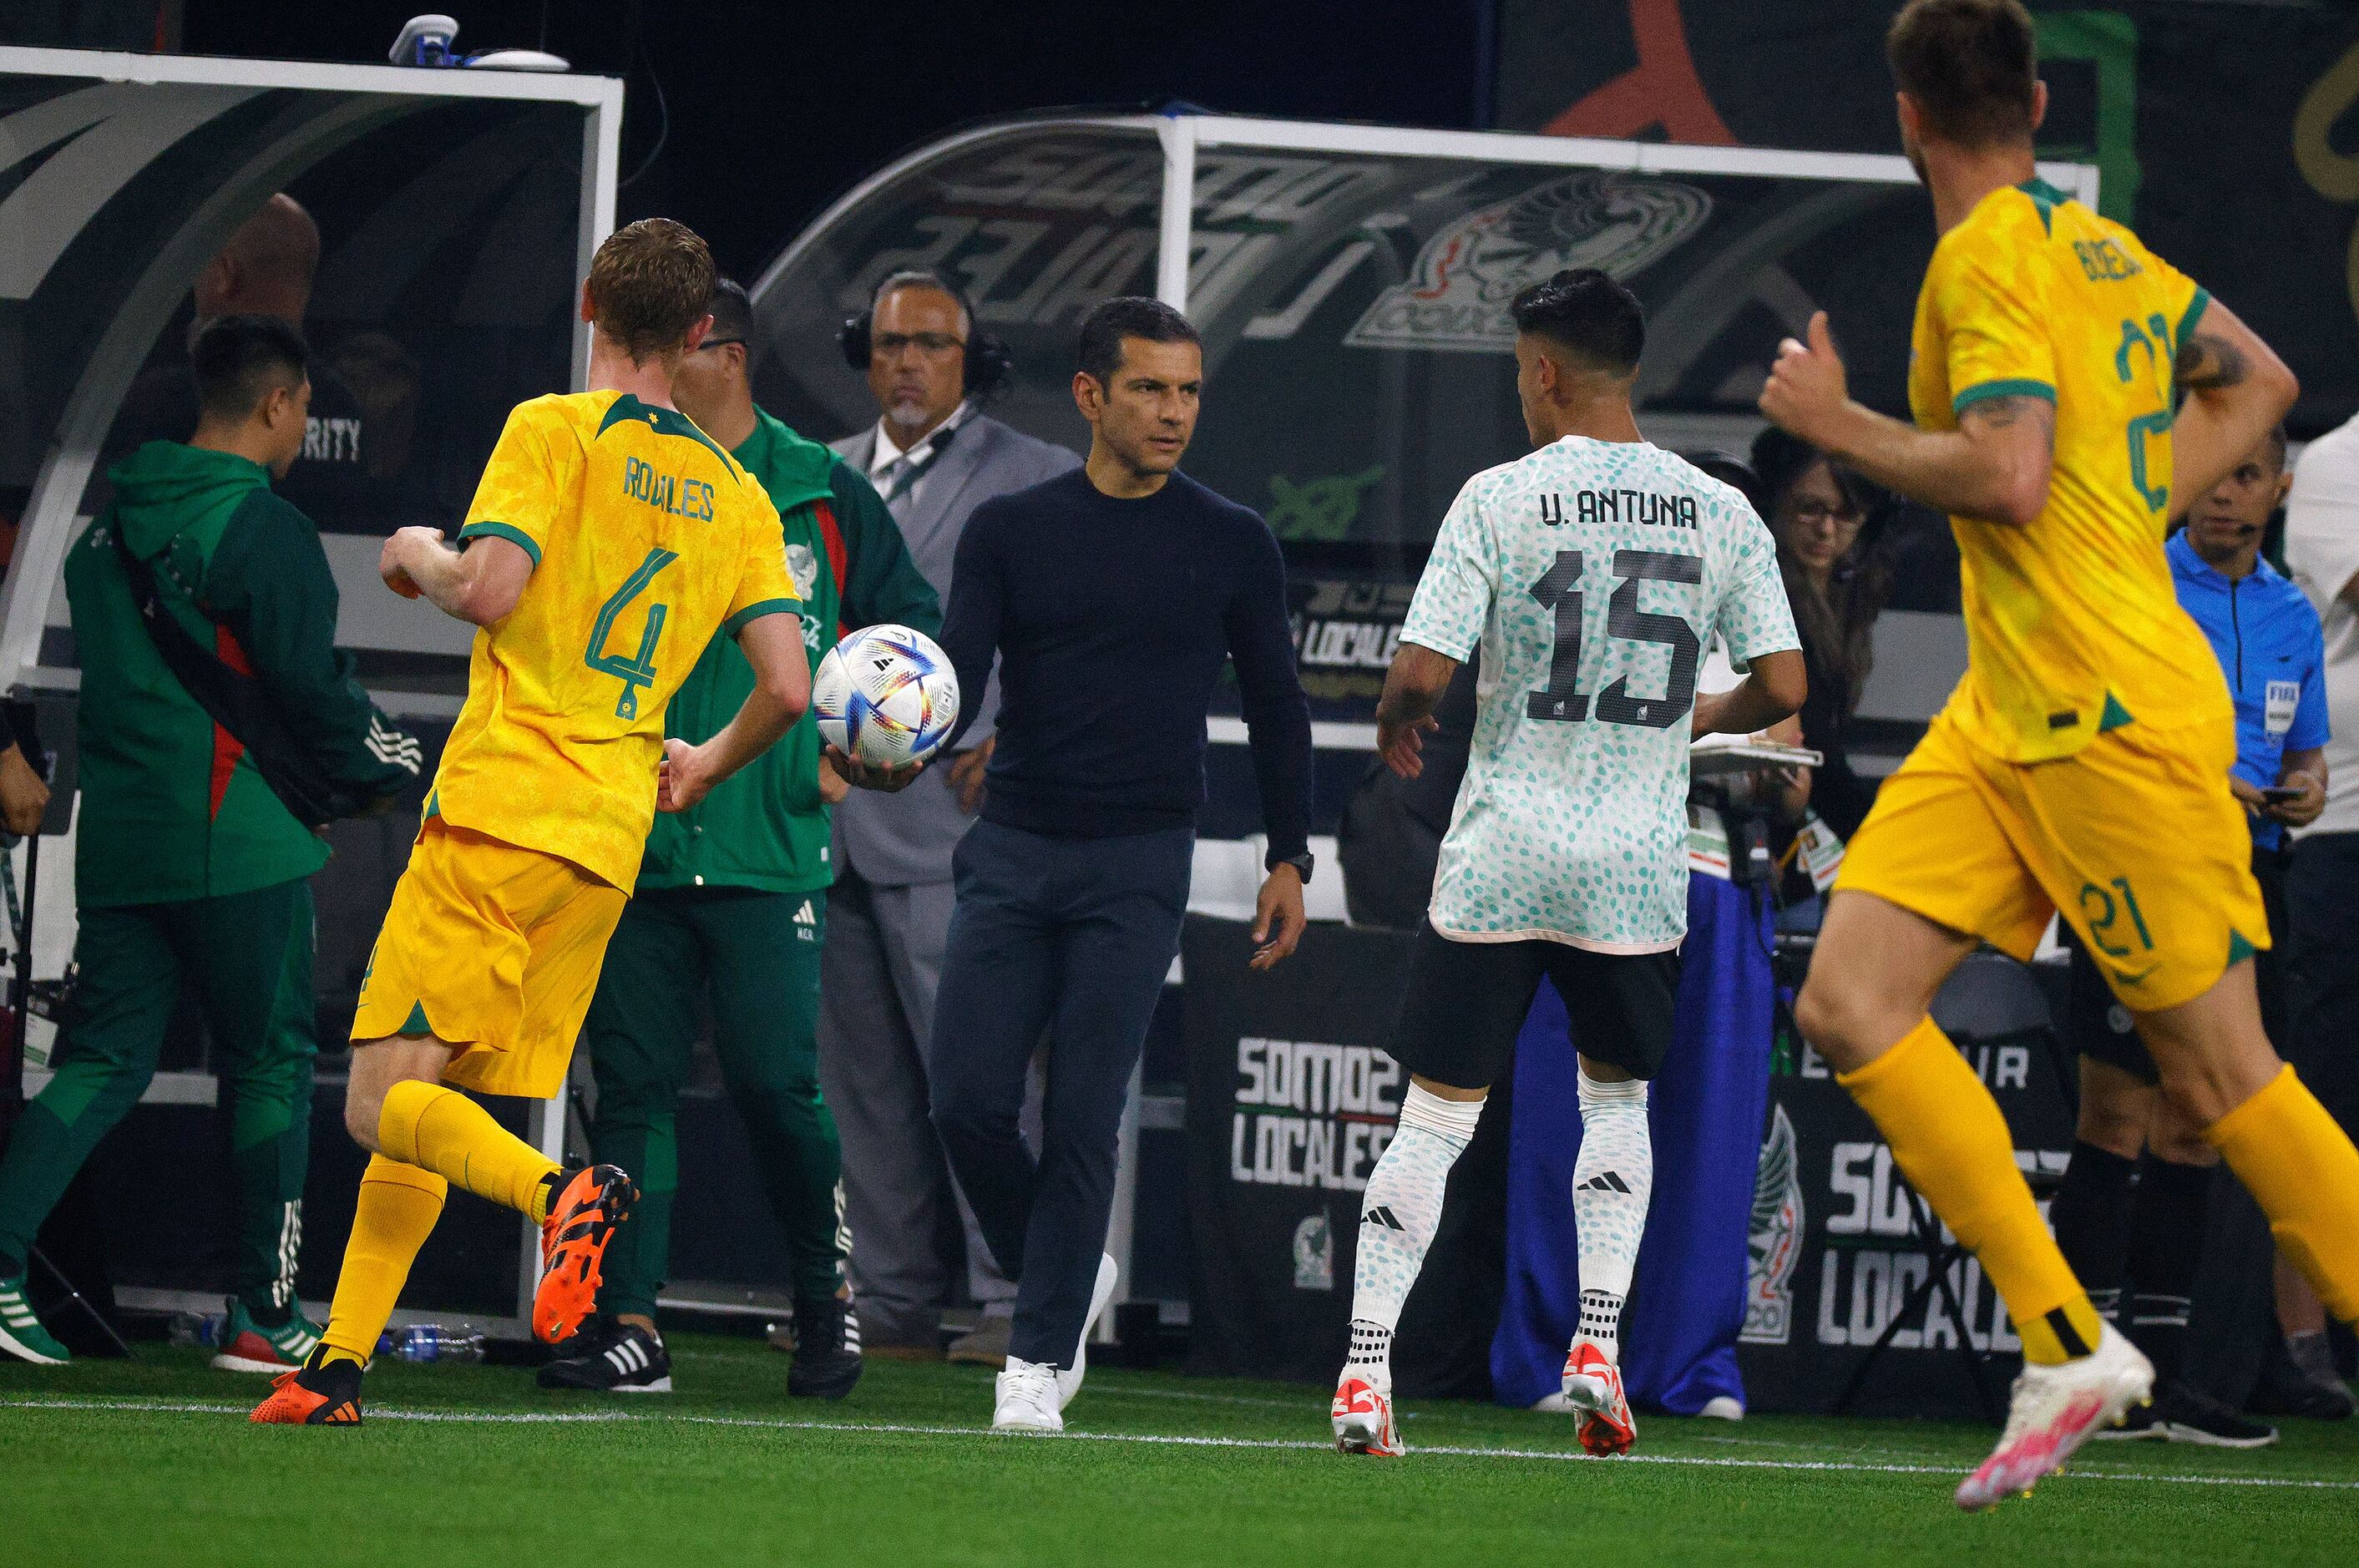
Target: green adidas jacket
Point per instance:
(171, 808)
(768, 827)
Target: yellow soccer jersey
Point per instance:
(647, 541)
(2071, 622)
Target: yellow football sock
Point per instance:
(443, 1131)
(2303, 1171)
(398, 1206)
(1950, 1141)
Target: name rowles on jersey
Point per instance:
(682, 497)
(1620, 506)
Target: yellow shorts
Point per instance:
(492, 948)
(2134, 839)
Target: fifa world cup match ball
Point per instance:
(885, 696)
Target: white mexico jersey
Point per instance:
(1593, 574)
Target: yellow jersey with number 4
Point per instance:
(647, 539)
(2072, 626)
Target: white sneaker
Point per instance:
(1027, 1398)
(1069, 1381)
(2055, 1409)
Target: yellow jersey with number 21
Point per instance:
(2072, 625)
(647, 541)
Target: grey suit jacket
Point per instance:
(895, 840)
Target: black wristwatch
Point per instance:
(1301, 862)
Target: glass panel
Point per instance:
(1354, 312)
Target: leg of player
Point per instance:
(2219, 1068)
(1865, 1008)
(2092, 1209)
(1398, 1219)
(1612, 1179)
(424, 1138)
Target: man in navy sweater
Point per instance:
(1112, 595)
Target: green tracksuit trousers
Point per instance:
(753, 957)
(249, 958)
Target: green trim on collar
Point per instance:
(755, 611)
(664, 422)
(2192, 314)
(2046, 199)
(2016, 386)
(515, 536)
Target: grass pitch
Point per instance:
(152, 1461)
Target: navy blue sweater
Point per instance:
(1112, 619)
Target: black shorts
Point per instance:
(1466, 1002)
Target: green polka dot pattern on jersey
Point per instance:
(1593, 574)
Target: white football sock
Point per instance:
(1398, 1219)
(1611, 1181)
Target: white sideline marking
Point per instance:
(202, 1406)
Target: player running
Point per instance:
(609, 540)
(1594, 573)
(2081, 764)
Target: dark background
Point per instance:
(775, 109)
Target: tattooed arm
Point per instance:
(2238, 390)
(1994, 466)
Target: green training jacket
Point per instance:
(171, 807)
(768, 827)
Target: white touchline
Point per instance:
(196, 1406)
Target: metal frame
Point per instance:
(379, 93)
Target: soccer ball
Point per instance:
(887, 696)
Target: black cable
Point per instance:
(637, 49)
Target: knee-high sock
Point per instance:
(1398, 1219)
(1950, 1141)
(398, 1206)
(1612, 1177)
(443, 1131)
(2091, 1212)
(2165, 1242)
(2303, 1171)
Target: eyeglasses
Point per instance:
(931, 344)
(717, 342)
(1818, 514)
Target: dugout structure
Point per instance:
(457, 210)
(1352, 285)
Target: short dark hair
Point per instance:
(916, 278)
(240, 360)
(1971, 66)
(649, 283)
(1126, 316)
(1584, 310)
(2277, 444)
(733, 312)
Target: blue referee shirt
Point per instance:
(2271, 648)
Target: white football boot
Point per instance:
(1069, 1380)
(1592, 1387)
(2054, 1411)
(1026, 1395)
(1362, 1415)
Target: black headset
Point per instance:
(988, 360)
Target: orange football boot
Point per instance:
(581, 1221)
(317, 1393)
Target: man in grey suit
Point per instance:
(934, 456)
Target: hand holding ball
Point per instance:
(886, 697)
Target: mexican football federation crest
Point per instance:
(1314, 1254)
(1775, 1241)
(1471, 271)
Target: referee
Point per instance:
(1112, 595)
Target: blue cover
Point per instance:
(1679, 1333)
